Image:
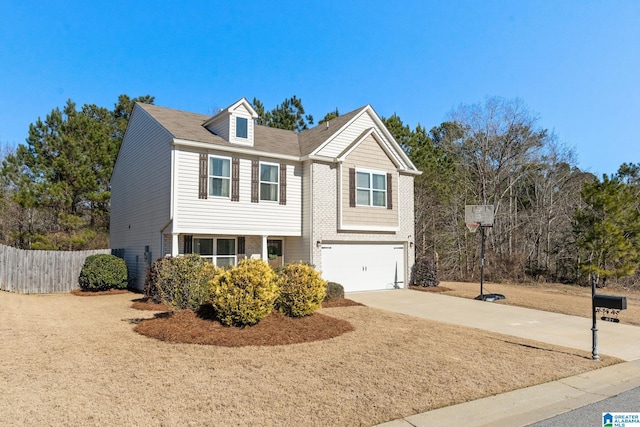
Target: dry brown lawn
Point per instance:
(554, 297)
(78, 361)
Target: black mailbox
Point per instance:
(610, 301)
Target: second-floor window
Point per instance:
(371, 188)
(269, 182)
(219, 176)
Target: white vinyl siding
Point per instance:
(139, 210)
(222, 216)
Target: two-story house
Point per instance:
(339, 196)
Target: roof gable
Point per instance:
(352, 127)
(239, 105)
(371, 132)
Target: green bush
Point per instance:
(244, 294)
(183, 282)
(334, 290)
(301, 290)
(151, 282)
(103, 272)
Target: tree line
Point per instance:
(553, 221)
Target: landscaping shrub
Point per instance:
(151, 281)
(244, 294)
(103, 272)
(302, 290)
(334, 290)
(184, 282)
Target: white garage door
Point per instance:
(361, 267)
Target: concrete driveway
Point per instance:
(614, 339)
(532, 404)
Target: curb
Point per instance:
(532, 404)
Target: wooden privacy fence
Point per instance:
(41, 272)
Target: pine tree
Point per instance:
(607, 230)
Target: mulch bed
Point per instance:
(149, 305)
(200, 327)
(82, 293)
(430, 288)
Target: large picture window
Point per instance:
(269, 182)
(220, 251)
(371, 189)
(219, 176)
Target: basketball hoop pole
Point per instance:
(480, 216)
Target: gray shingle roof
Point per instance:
(188, 126)
(313, 138)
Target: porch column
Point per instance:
(174, 245)
(265, 255)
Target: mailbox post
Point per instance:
(609, 303)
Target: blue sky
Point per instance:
(576, 64)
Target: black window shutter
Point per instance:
(204, 176)
(352, 188)
(255, 183)
(389, 191)
(235, 179)
(188, 244)
(283, 184)
(241, 245)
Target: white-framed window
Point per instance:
(269, 174)
(371, 188)
(221, 250)
(225, 252)
(242, 127)
(219, 176)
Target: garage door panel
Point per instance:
(362, 267)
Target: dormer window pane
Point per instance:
(241, 127)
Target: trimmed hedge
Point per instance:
(244, 294)
(102, 272)
(302, 290)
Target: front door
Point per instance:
(274, 253)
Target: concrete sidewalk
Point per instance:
(531, 404)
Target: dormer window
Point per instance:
(242, 127)
(234, 124)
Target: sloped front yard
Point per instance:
(68, 360)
